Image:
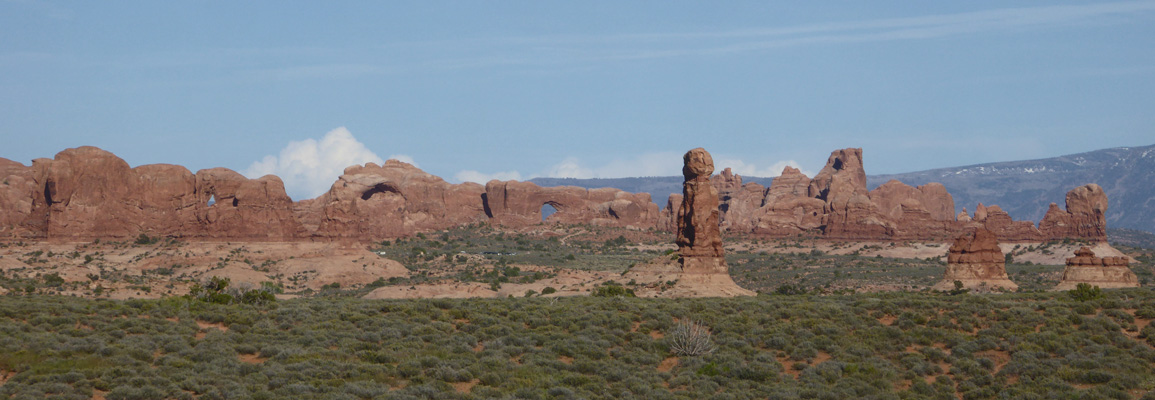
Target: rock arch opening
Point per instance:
(378, 188)
(212, 200)
(49, 189)
(547, 209)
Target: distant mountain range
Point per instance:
(1024, 189)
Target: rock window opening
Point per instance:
(547, 210)
(212, 200)
(378, 188)
(48, 189)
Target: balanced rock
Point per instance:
(699, 239)
(1105, 272)
(976, 261)
(698, 231)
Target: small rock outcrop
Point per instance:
(976, 261)
(1084, 217)
(699, 239)
(1105, 272)
(519, 204)
(17, 188)
(925, 212)
(388, 201)
(850, 214)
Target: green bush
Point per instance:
(612, 289)
(1085, 292)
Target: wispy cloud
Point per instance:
(647, 164)
(482, 178)
(567, 49)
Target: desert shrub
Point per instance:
(1085, 292)
(612, 289)
(690, 338)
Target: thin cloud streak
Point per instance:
(307, 62)
(544, 50)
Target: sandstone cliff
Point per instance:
(835, 204)
(86, 193)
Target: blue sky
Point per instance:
(513, 90)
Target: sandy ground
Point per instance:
(567, 283)
(124, 270)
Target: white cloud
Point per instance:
(309, 167)
(659, 164)
(569, 168)
(742, 168)
(482, 178)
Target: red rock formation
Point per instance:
(787, 208)
(976, 261)
(925, 212)
(699, 239)
(698, 231)
(668, 218)
(16, 191)
(251, 209)
(726, 181)
(83, 192)
(849, 212)
(791, 183)
(1106, 272)
(388, 201)
(998, 221)
(739, 207)
(518, 204)
(898, 201)
(963, 216)
(86, 193)
(1084, 216)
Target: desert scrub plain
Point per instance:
(895, 345)
(563, 260)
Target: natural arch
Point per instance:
(547, 209)
(378, 188)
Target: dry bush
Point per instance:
(690, 338)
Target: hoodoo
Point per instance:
(1105, 272)
(976, 261)
(699, 239)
